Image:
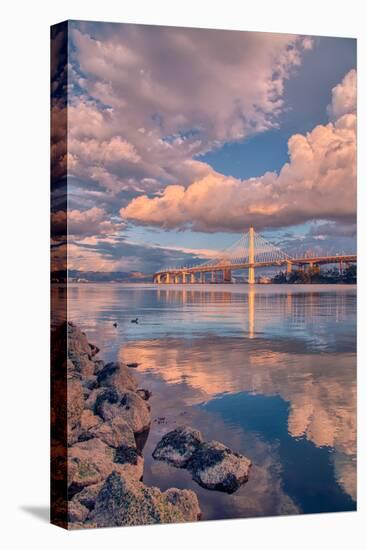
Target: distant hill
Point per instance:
(101, 276)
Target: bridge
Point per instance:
(251, 251)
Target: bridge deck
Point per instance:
(316, 260)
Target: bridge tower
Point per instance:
(251, 277)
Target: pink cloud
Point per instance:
(145, 88)
(319, 181)
(82, 223)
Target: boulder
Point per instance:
(129, 406)
(217, 467)
(144, 394)
(91, 461)
(92, 397)
(86, 367)
(87, 496)
(76, 511)
(123, 501)
(186, 501)
(114, 432)
(77, 342)
(94, 349)
(106, 403)
(75, 402)
(135, 411)
(178, 446)
(89, 420)
(99, 365)
(118, 376)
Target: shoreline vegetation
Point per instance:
(108, 419)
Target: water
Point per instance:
(269, 371)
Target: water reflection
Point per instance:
(269, 371)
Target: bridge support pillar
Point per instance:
(213, 277)
(288, 267)
(192, 278)
(158, 279)
(176, 279)
(184, 278)
(202, 277)
(227, 275)
(168, 280)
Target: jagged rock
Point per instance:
(135, 411)
(87, 496)
(177, 447)
(114, 432)
(94, 349)
(91, 461)
(87, 367)
(107, 402)
(99, 365)
(126, 502)
(92, 397)
(89, 420)
(117, 375)
(186, 501)
(144, 394)
(77, 342)
(212, 465)
(217, 467)
(75, 402)
(76, 511)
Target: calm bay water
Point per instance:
(269, 371)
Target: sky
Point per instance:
(179, 139)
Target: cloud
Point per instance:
(319, 181)
(160, 96)
(94, 221)
(344, 96)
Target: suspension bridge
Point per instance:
(251, 251)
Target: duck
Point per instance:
(135, 320)
(115, 325)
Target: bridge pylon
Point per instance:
(251, 275)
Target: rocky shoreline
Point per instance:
(108, 420)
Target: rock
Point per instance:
(144, 394)
(87, 496)
(117, 375)
(135, 411)
(94, 349)
(75, 402)
(186, 501)
(128, 405)
(132, 365)
(216, 467)
(178, 446)
(107, 403)
(76, 511)
(89, 420)
(114, 432)
(86, 367)
(92, 397)
(90, 462)
(125, 502)
(77, 342)
(99, 365)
